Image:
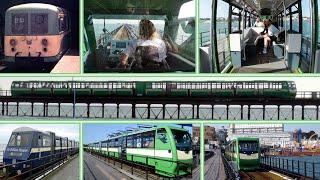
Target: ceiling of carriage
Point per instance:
(265, 4)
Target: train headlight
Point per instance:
(44, 42)
(13, 42)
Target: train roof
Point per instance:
(247, 138)
(28, 129)
(35, 6)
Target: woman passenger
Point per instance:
(269, 34)
(148, 36)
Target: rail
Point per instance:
(34, 167)
(291, 166)
(230, 171)
(133, 164)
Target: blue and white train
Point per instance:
(28, 146)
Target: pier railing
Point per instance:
(34, 167)
(291, 166)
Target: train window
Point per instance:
(235, 19)
(129, 141)
(39, 23)
(306, 35)
(162, 135)
(182, 139)
(19, 24)
(137, 141)
(20, 140)
(148, 139)
(58, 142)
(248, 146)
(46, 141)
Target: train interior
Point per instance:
(70, 55)
(112, 26)
(238, 44)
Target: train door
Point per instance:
(123, 150)
(52, 143)
(140, 88)
(163, 150)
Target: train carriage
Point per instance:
(242, 89)
(244, 152)
(36, 30)
(28, 148)
(167, 149)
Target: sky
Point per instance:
(64, 130)
(98, 132)
(205, 6)
(287, 127)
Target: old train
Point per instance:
(167, 149)
(36, 31)
(275, 89)
(30, 148)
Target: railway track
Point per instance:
(260, 174)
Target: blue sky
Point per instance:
(287, 127)
(98, 132)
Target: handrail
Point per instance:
(296, 167)
(28, 165)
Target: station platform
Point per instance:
(69, 63)
(214, 168)
(68, 171)
(96, 169)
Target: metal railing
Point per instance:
(291, 166)
(34, 167)
(230, 171)
(129, 160)
(204, 38)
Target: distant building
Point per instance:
(222, 135)
(209, 134)
(268, 134)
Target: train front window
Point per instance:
(20, 139)
(39, 23)
(182, 140)
(19, 24)
(248, 146)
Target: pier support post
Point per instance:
(263, 112)
(302, 117)
(317, 112)
(292, 112)
(17, 109)
(32, 113)
(44, 109)
(249, 109)
(241, 113)
(198, 111)
(179, 109)
(2, 108)
(102, 109)
(212, 111)
(88, 110)
(278, 116)
(149, 111)
(133, 110)
(227, 111)
(193, 111)
(59, 109)
(163, 111)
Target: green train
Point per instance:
(276, 89)
(244, 152)
(167, 149)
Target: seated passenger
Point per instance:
(269, 34)
(148, 37)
